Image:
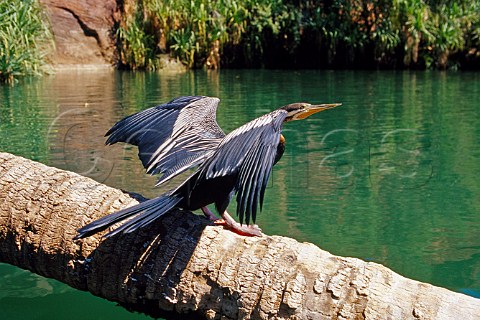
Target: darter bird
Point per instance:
(183, 134)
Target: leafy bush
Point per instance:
(296, 33)
(25, 39)
(192, 30)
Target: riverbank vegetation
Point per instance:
(418, 34)
(25, 39)
(366, 34)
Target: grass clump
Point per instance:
(25, 39)
(305, 34)
(203, 32)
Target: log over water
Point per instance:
(183, 267)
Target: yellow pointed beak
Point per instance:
(311, 109)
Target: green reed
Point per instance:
(296, 33)
(25, 39)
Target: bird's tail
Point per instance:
(144, 213)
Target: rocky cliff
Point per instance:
(83, 31)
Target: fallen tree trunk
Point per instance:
(183, 267)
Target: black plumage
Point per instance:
(183, 134)
(171, 137)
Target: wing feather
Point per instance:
(171, 137)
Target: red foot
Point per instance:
(241, 229)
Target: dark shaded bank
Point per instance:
(301, 34)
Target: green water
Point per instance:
(392, 176)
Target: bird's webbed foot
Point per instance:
(241, 229)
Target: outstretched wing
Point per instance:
(171, 137)
(248, 153)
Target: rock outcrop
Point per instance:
(83, 31)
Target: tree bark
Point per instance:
(183, 267)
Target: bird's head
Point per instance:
(299, 111)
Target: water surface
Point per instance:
(391, 176)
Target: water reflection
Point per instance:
(390, 176)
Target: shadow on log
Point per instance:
(183, 267)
